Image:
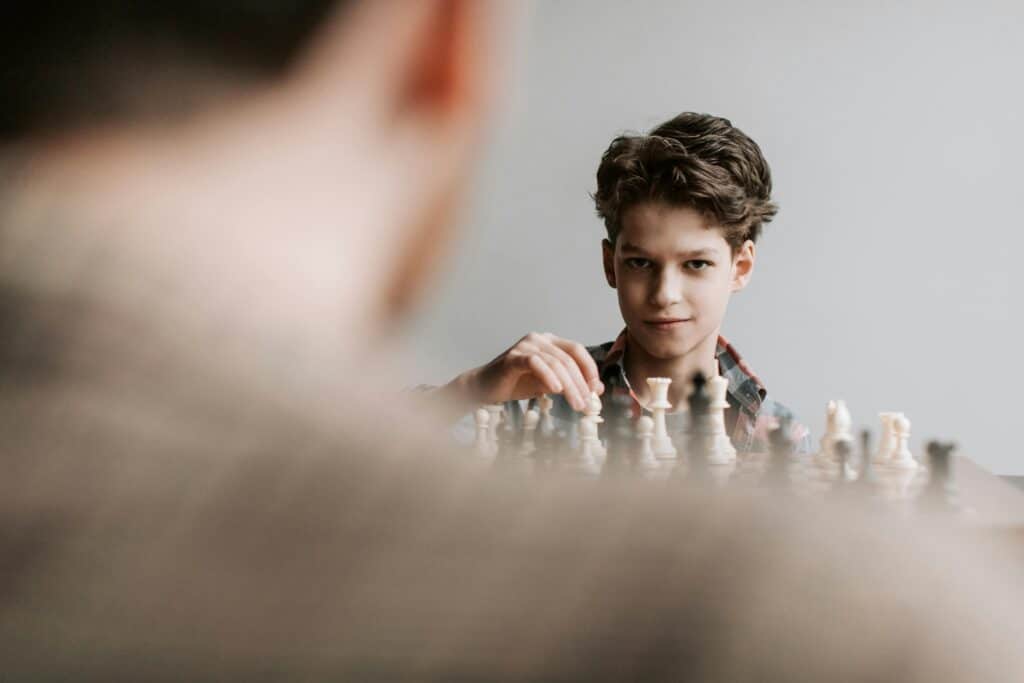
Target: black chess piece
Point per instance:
(618, 411)
(509, 438)
(865, 484)
(842, 450)
(780, 454)
(939, 494)
(698, 438)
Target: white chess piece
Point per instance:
(482, 443)
(530, 421)
(838, 427)
(902, 457)
(583, 460)
(662, 444)
(647, 464)
(592, 414)
(884, 451)
(547, 424)
(722, 451)
(495, 410)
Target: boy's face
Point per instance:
(674, 273)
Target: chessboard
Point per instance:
(623, 444)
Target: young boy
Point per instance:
(683, 207)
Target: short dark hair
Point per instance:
(65, 64)
(695, 160)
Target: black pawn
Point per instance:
(510, 431)
(619, 429)
(843, 450)
(780, 454)
(866, 479)
(939, 494)
(699, 404)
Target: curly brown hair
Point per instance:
(695, 160)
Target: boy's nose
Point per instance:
(668, 290)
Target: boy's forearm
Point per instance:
(458, 396)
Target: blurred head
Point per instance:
(287, 164)
(683, 207)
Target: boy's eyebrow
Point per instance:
(703, 252)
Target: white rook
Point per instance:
(663, 447)
(721, 451)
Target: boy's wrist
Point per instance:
(462, 389)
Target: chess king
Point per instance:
(683, 207)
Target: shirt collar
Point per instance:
(745, 388)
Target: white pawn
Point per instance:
(583, 460)
(592, 414)
(838, 427)
(590, 446)
(662, 444)
(530, 421)
(722, 451)
(495, 410)
(482, 443)
(547, 424)
(646, 464)
(901, 457)
(885, 448)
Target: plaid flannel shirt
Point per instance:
(748, 419)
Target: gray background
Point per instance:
(893, 132)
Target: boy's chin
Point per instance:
(664, 348)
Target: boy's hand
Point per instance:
(536, 364)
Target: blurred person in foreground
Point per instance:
(210, 213)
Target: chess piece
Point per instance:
(699, 439)
(885, 440)
(939, 495)
(619, 430)
(530, 422)
(780, 454)
(837, 428)
(662, 444)
(482, 444)
(584, 460)
(495, 411)
(866, 477)
(646, 463)
(902, 457)
(544, 403)
(721, 450)
(842, 450)
(592, 415)
(510, 432)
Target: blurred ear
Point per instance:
(743, 265)
(391, 59)
(412, 77)
(608, 257)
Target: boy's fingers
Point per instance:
(584, 360)
(569, 390)
(539, 367)
(582, 386)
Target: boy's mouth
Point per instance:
(666, 324)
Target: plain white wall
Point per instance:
(894, 132)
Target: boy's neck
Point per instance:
(639, 365)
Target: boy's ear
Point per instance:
(608, 258)
(743, 265)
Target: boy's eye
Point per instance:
(638, 263)
(697, 264)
